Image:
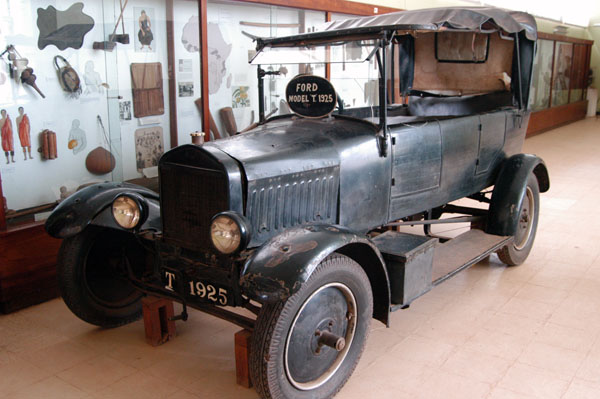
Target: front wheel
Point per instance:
(515, 253)
(309, 345)
(92, 276)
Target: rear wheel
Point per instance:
(308, 346)
(92, 276)
(515, 253)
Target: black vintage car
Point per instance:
(295, 220)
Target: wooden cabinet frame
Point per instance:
(554, 116)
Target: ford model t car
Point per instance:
(291, 220)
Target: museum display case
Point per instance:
(89, 92)
(106, 69)
(560, 77)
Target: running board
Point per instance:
(463, 251)
(415, 264)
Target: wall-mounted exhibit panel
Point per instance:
(92, 92)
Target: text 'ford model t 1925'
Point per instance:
(291, 220)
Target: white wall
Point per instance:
(225, 18)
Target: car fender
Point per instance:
(91, 205)
(277, 269)
(509, 191)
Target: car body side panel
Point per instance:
(493, 129)
(472, 148)
(516, 125)
(460, 138)
(364, 185)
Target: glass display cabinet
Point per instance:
(89, 92)
(97, 91)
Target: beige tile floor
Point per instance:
(494, 332)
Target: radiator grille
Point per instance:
(190, 197)
(276, 204)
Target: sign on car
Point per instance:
(311, 96)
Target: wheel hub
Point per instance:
(315, 345)
(525, 221)
(331, 340)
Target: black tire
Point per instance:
(92, 278)
(284, 361)
(515, 253)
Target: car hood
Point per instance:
(292, 144)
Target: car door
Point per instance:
(416, 166)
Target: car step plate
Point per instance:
(463, 251)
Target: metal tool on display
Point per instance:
(114, 38)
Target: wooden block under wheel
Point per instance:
(242, 358)
(157, 320)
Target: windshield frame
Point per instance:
(381, 38)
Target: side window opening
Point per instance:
(462, 47)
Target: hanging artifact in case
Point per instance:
(67, 77)
(100, 161)
(147, 87)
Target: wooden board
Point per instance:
(242, 341)
(550, 118)
(147, 87)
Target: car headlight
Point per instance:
(229, 232)
(126, 211)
